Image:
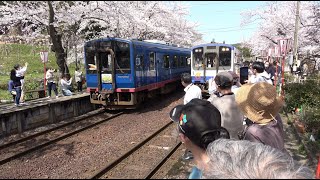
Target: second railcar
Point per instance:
(209, 59)
(121, 73)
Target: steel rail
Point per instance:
(48, 130)
(127, 154)
(164, 160)
(18, 155)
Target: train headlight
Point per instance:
(227, 49)
(223, 49)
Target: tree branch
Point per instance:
(269, 39)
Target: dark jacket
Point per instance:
(16, 80)
(270, 70)
(271, 134)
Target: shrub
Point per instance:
(311, 118)
(307, 96)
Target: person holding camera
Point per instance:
(51, 82)
(65, 83)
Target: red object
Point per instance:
(276, 75)
(318, 169)
(45, 80)
(282, 75)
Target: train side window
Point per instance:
(138, 60)
(166, 61)
(90, 59)
(182, 61)
(152, 56)
(175, 61)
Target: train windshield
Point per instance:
(122, 58)
(112, 56)
(207, 57)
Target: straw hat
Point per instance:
(259, 102)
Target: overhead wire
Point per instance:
(228, 30)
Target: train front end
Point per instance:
(109, 72)
(207, 60)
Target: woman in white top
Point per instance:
(65, 85)
(51, 82)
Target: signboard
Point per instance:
(44, 56)
(285, 46)
(106, 78)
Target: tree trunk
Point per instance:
(57, 43)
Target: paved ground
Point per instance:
(181, 169)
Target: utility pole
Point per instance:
(296, 35)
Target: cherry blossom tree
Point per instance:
(78, 21)
(277, 20)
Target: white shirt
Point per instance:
(50, 76)
(65, 83)
(261, 77)
(78, 76)
(20, 73)
(192, 92)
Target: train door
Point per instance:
(145, 67)
(107, 72)
(166, 67)
(140, 66)
(152, 75)
(159, 66)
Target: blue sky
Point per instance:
(221, 19)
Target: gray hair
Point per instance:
(234, 159)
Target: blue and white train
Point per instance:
(121, 73)
(209, 59)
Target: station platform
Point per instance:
(42, 111)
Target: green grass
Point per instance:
(11, 54)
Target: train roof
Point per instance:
(139, 42)
(214, 44)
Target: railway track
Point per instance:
(24, 146)
(76, 119)
(144, 159)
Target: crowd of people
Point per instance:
(238, 131)
(16, 84)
